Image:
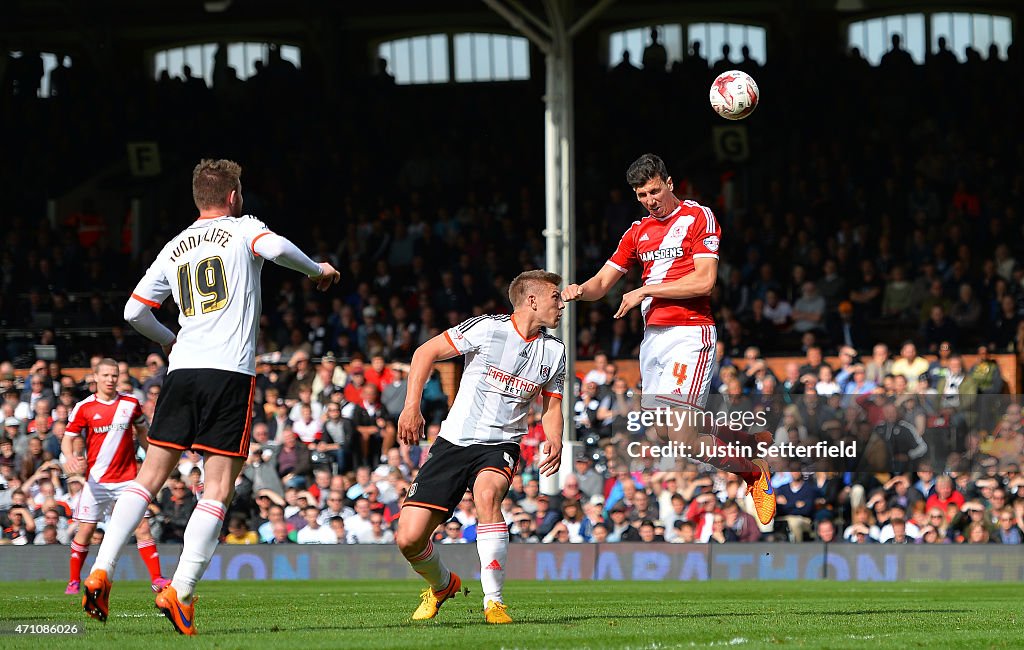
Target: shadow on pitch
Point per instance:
(863, 612)
(562, 620)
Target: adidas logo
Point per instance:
(97, 416)
(493, 566)
(525, 353)
(644, 237)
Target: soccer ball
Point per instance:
(734, 95)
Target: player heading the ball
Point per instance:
(677, 246)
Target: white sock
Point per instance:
(430, 567)
(128, 512)
(492, 545)
(201, 537)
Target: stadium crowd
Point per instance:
(324, 465)
(896, 236)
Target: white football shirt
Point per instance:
(213, 274)
(504, 373)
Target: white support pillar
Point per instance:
(554, 39)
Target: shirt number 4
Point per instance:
(679, 372)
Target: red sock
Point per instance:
(728, 459)
(78, 554)
(151, 557)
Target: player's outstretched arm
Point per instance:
(411, 422)
(552, 422)
(595, 288)
(283, 252)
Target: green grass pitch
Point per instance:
(651, 615)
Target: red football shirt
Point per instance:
(667, 248)
(108, 433)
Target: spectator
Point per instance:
(575, 523)
(1002, 329)
(938, 328)
(393, 392)
(586, 411)
(157, 370)
(523, 532)
(307, 427)
(313, 532)
(370, 419)
(826, 531)
(238, 531)
(1007, 531)
(176, 505)
(378, 533)
(898, 533)
(655, 56)
(720, 534)
(778, 311)
(986, 373)
(453, 532)
(590, 480)
(337, 437)
(359, 524)
(880, 366)
(621, 530)
(910, 365)
(796, 504)
(897, 300)
(966, 311)
(281, 534)
(337, 526)
(944, 495)
(977, 533)
(742, 524)
(809, 310)
(335, 507)
(649, 531)
(684, 533)
(867, 293)
(901, 438)
(293, 461)
(275, 516)
(954, 383)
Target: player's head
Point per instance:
(216, 184)
(652, 185)
(107, 374)
(537, 291)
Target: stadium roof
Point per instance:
(30, 22)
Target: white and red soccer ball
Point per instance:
(734, 95)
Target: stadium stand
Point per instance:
(901, 229)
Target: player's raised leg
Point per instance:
(128, 512)
(709, 448)
(415, 526)
(489, 489)
(678, 361)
